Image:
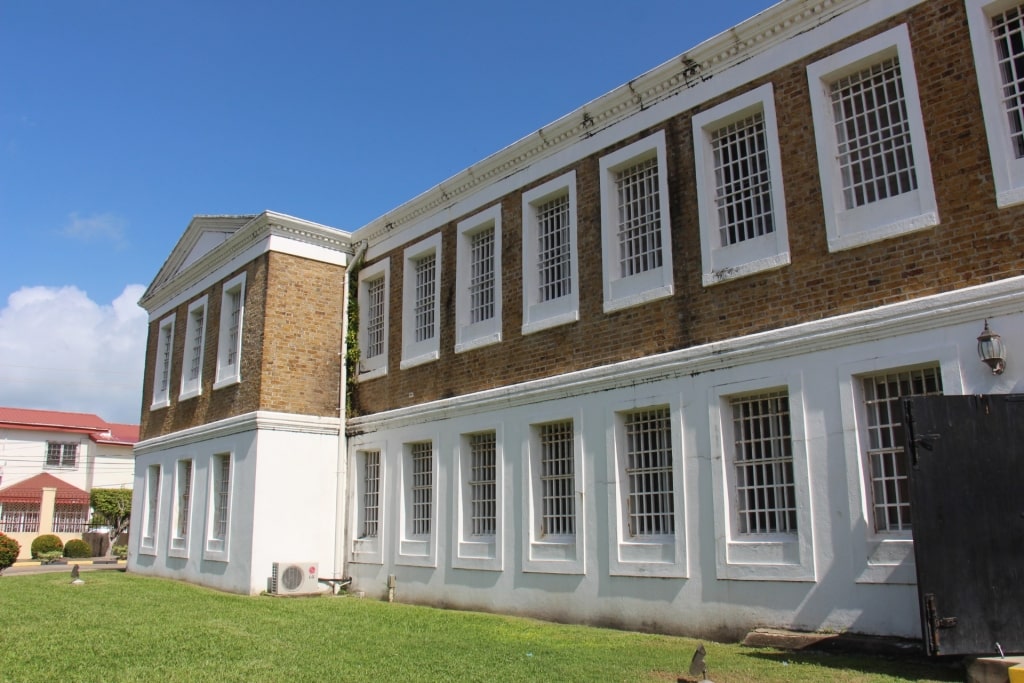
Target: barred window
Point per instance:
(648, 450)
(763, 460)
(1008, 32)
(557, 479)
(873, 132)
(742, 180)
(234, 324)
(482, 484)
(70, 518)
(221, 492)
(481, 281)
(152, 505)
(426, 287)
(422, 486)
(887, 463)
(184, 497)
(61, 455)
(375, 318)
(639, 218)
(19, 517)
(166, 342)
(196, 364)
(371, 494)
(554, 253)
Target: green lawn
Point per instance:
(122, 627)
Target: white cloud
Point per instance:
(60, 350)
(100, 226)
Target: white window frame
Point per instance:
(478, 552)
(228, 371)
(368, 549)
(151, 512)
(770, 556)
(1007, 169)
(181, 511)
(468, 334)
(722, 263)
(662, 555)
(62, 449)
(656, 283)
(416, 548)
(217, 547)
(555, 553)
(192, 386)
(163, 364)
(882, 557)
(419, 352)
(376, 366)
(540, 315)
(895, 215)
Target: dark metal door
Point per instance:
(967, 496)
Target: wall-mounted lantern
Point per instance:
(991, 350)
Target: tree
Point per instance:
(112, 508)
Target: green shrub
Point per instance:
(47, 543)
(9, 549)
(120, 552)
(77, 548)
(50, 556)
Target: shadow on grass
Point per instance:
(900, 668)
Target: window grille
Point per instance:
(18, 518)
(375, 318)
(648, 442)
(165, 361)
(1008, 30)
(197, 344)
(887, 462)
(61, 455)
(553, 249)
(481, 283)
(482, 484)
(184, 496)
(426, 277)
(222, 491)
(152, 504)
(765, 490)
(557, 481)
(742, 180)
(422, 486)
(876, 159)
(371, 494)
(234, 322)
(639, 218)
(70, 518)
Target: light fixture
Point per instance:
(991, 350)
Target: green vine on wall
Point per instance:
(352, 340)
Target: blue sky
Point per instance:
(121, 120)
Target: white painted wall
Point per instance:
(281, 506)
(842, 577)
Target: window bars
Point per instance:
(557, 480)
(421, 486)
(887, 463)
(875, 156)
(553, 249)
(742, 180)
(765, 490)
(482, 484)
(639, 218)
(648, 450)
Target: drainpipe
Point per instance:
(341, 496)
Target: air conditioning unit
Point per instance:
(294, 578)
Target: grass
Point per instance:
(122, 627)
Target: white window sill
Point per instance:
(191, 393)
(617, 304)
(421, 359)
(538, 324)
(365, 375)
(477, 342)
(852, 240)
(162, 403)
(727, 273)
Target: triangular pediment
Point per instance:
(203, 235)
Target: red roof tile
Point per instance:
(31, 490)
(98, 429)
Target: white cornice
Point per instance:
(174, 278)
(919, 315)
(249, 422)
(739, 44)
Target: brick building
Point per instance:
(799, 221)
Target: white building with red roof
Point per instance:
(49, 461)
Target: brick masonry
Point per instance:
(974, 243)
(291, 340)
